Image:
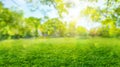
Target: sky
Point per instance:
(74, 13)
(21, 5)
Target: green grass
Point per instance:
(60, 52)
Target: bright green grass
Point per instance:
(60, 52)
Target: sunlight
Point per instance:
(75, 13)
(59, 33)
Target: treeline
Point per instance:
(14, 25)
(105, 32)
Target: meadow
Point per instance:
(60, 52)
(59, 33)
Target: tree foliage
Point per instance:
(13, 24)
(53, 27)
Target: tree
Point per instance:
(109, 11)
(71, 29)
(34, 25)
(81, 31)
(53, 27)
(10, 21)
(108, 15)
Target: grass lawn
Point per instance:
(60, 52)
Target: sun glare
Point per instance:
(75, 13)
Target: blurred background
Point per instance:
(59, 18)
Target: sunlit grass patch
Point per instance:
(58, 52)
